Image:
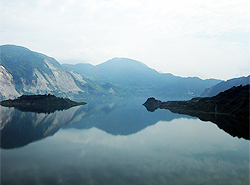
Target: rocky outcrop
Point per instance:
(7, 88)
(152, 104)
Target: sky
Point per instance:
(207, 39)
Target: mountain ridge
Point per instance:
(137, 78)
(224, 85)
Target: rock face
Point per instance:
(7, 88)
(59, 80)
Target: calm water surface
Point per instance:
(118, 144)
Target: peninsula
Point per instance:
(234, 101)
(229, 110)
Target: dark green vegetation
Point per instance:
(224, 85)
(234, 101)
(141, 81)
(229, 109)
(40, 103)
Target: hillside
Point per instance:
(23, 71)
(229, 110)
(234, 101)
(224, 85)
(140, 80)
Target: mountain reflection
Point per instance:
(117, 118)
(120, 118)
(21, 128)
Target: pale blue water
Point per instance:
(120, 144)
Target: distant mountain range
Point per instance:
(140, 80)
(224, 85)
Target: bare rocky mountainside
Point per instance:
(26, 72)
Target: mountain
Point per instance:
(224, 85)
(140, 80)
(23, 71)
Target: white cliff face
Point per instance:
(7, 88)
(78, 77)
(60, 81)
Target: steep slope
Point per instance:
(140, 80)
(26, 72)
(224, 85)
(7, 87)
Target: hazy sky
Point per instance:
(209, 38)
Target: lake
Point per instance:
(118, 143)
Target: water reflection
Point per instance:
(235, 126)
(182, 151)
(118, 143)
(21, 128)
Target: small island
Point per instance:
(40, 103)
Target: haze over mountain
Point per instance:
(140, 80)
(23, 71)
(224, 85)
(26, 72)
